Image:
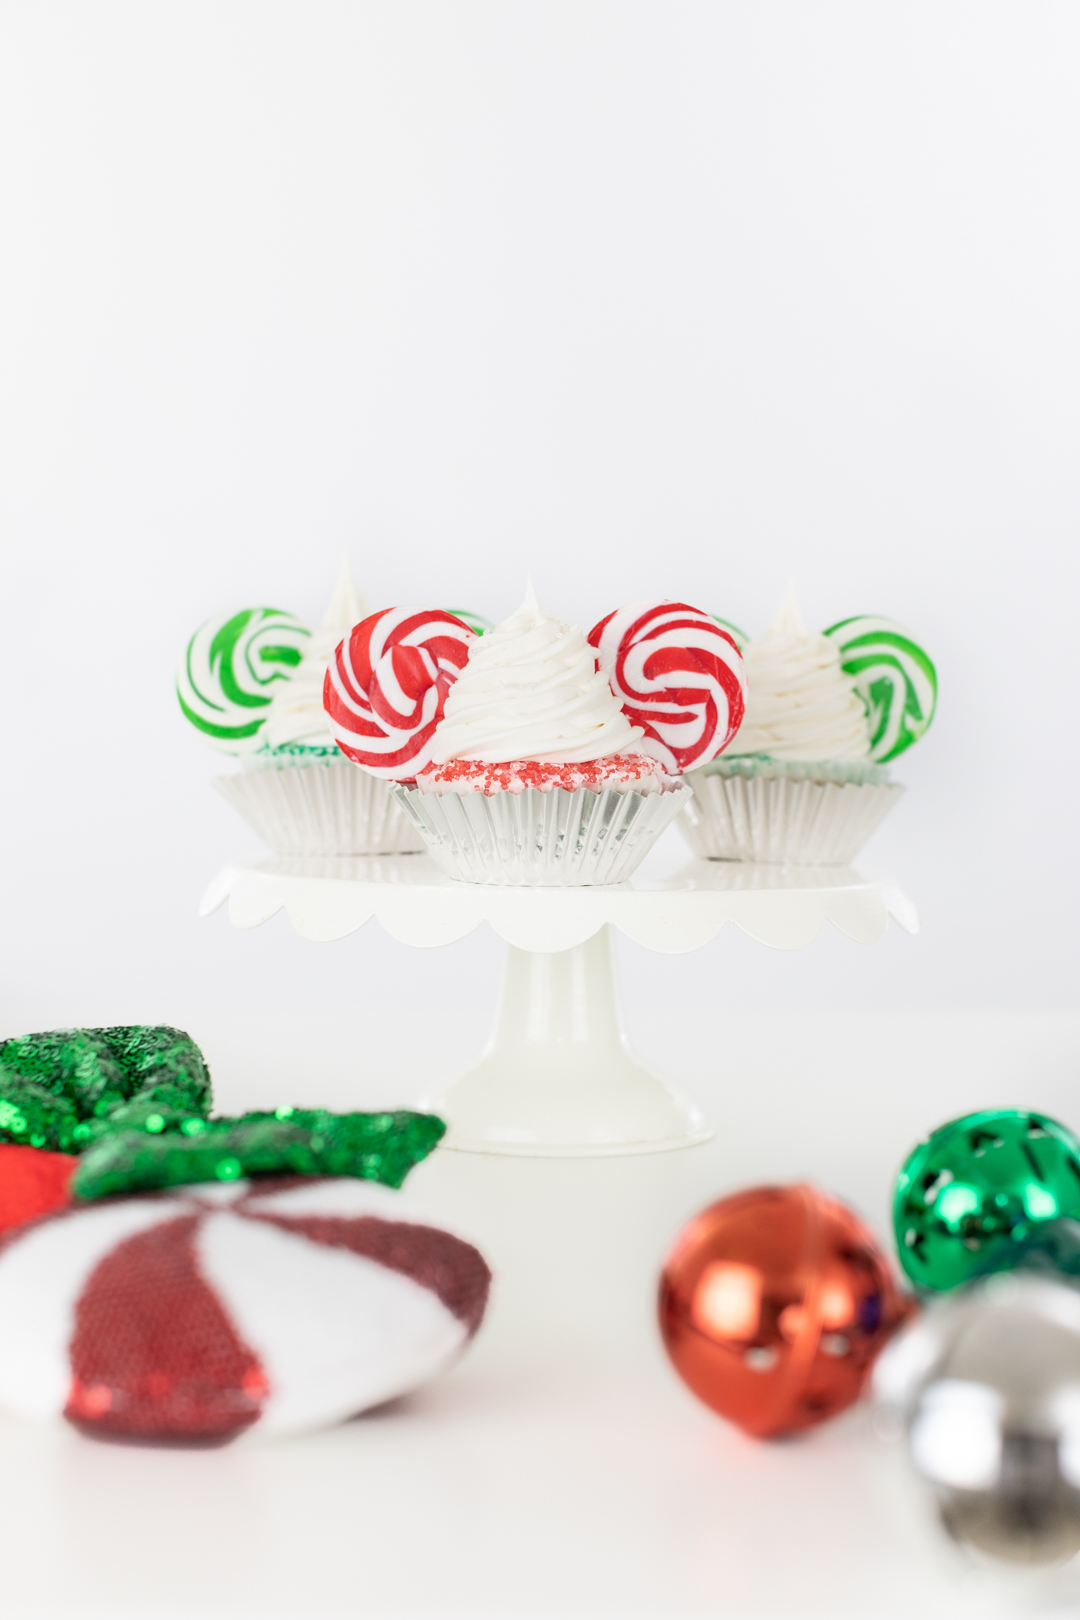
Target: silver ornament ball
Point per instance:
(986, 1385)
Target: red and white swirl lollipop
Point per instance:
(677, 674)
(386, 685)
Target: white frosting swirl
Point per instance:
(296, 713)
(800, 704)
(531, 691)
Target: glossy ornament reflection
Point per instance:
(773, 1305)
(987, 1386)
(975, 1196)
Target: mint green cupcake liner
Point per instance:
(753, 766)
(776, 817)
(321, 805)
(290, 754)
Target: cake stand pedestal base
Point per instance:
(558, 1077)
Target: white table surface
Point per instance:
(561, 1470)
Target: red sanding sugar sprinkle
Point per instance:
(473, 776)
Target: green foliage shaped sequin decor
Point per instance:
(290, 1142)
(230, 670)
(64, 1089)
(972, 1198)
(894, 677)
(133, 1102)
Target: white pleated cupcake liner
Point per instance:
(327, 807)
(778, 819)
(557, 839)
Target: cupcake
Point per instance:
(514, 756)
(252, 685)
(806, 779)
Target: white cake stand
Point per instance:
(558, 1077)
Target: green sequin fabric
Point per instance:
(292, 1141)
(133, 1102)
(65, 1089)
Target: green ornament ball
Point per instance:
(974, 1197)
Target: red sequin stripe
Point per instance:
(451, 1268)
(154, 1352)
(33, 1182)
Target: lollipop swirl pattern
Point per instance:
(475, 621)
(678, 674)
(386, 686)
(894, 677)
(230, 671)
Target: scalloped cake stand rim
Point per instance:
(327, 898)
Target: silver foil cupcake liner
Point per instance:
(557, 839)
(783, 818)
(328, 807)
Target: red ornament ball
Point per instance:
(773, 1306)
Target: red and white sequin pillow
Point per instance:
(200, 1313)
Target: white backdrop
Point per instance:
(649, 299)
(679, 298)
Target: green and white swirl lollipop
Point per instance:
(475, 621)
(230, 670)
(739, 637)
(893, 675)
